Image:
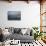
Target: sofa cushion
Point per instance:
(20, 37)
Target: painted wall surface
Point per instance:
(30, 14)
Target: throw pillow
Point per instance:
(17, 30)
(23, 31)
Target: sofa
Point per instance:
(22, 34)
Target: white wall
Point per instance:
(30, 14)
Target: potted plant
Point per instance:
(37, 33)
